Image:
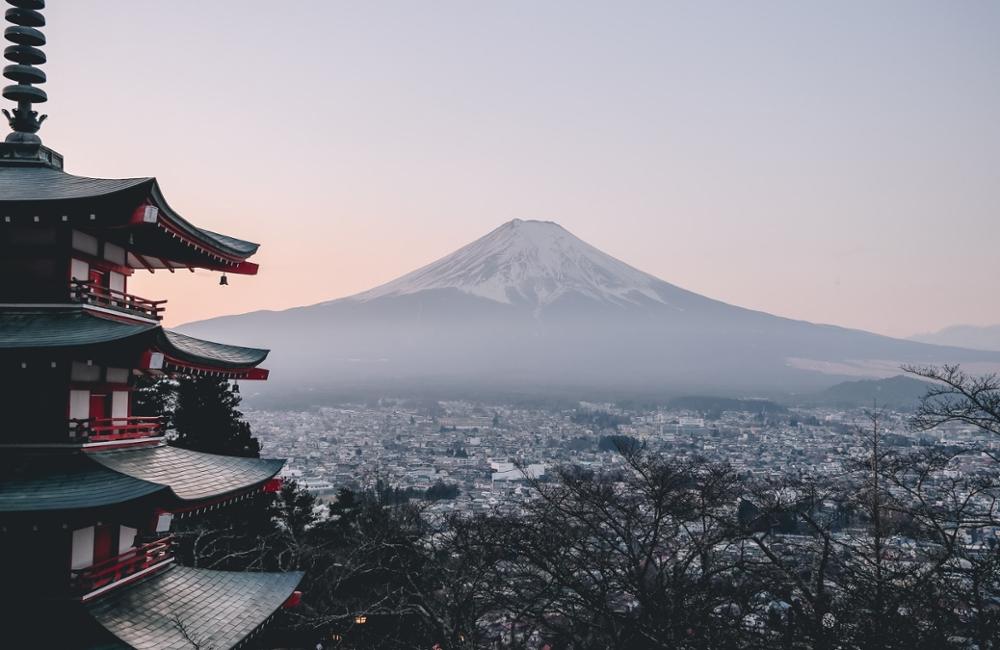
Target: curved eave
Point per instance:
(187, 355)
(193, 476)
(76, 328)
(194, 608)
(40, 194)
(65, 482)
(41, 187)
(237, 248)
(71, 327)
(204, 248)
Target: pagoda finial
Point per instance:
(25, 55)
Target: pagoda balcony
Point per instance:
(91, 293)
(115, 429)
(134, 561)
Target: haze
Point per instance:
(836, 163)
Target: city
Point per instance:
(479, 448)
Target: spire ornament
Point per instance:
(25, 55)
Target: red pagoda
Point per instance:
(88, 491)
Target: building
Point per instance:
(89, 492)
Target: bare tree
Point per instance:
(955, 396)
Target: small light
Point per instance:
(360, 619)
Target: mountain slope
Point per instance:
(967, 336)
(529, 306)
(532, 263)
(899, 392)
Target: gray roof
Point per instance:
(30, 184)
(192, 475)
(48, 481)
(23, 183)
(33, 481)
(184, 608)
(216, 354)
(53, 327)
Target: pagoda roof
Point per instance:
(21, 183)
(192, 475)
(46, 482)
(195, 350)
(163, 238)
(183, 608)
(37, 328)
(27, 327)
(36, 481)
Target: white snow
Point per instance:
(527, 261)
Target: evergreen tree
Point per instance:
(155, 396)
(207, 418)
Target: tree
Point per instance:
(958, 397)
(155, 397)
(640, 558)
(206, 418)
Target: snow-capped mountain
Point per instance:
(530, 307)
(528, 262)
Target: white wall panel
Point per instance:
(83, 548)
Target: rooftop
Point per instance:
(184, 608)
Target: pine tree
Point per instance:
(207, 418)
(155, 396)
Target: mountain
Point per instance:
(965, 336)
(899, 392)
(531, 264)
(530, 308)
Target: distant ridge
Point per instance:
(899, 392)
(975, 337)
(530, 308)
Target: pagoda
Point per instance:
(88, 491)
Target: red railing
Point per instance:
(114, 569)
(110, 429)
(95, 294)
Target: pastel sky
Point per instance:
(837, 162)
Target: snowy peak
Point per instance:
(531, 263)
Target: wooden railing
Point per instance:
(110, 429)
(95, 294)
(114, 569)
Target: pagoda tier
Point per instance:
(36, 482)
(195, 478)
(59, 360)
(108, 515)
(178, 608)
(54, 333)
(131, 214)
(194, 608)
(174, 479)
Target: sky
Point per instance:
(832, 162)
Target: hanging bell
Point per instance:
(223, 281)
(236, 387)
